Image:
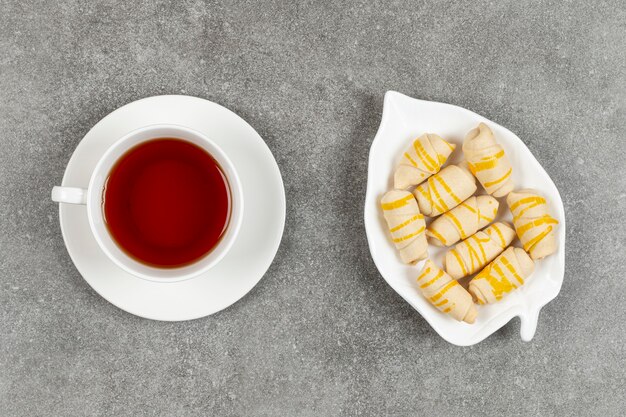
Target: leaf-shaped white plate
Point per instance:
(405, 118)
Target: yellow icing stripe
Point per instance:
(438, 236)
(427, 196)
(409, 236)
(457, 223)
(426, 271)
(511, 268)
(524, 210)
(421, 190)
(397, 204)
(448, 189)
(533, 199)
(497, 229)
(483, 274)
(442, 302)
(480, 245)
(451, 146)
(529, 245)
(487, 239)
(442, 291)
(534, 202)
(473, 254)
(447, 310)
(498, 286)
(411, 220)
(467, 206)
(499, 180)
(432, 281)
(534, 223)
(497, 156)
(431, 161)
(501, 286)
(489, 219)
(423, 155)
(503, 278)
(488, 162)
(476, 211)
(407, 156)
(433, 187)
(460, 261)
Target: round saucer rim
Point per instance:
(278, 231)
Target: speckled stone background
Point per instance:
(322, 333)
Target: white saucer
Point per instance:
(259, 237)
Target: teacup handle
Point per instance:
(71, 195)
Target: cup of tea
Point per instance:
(164, 203)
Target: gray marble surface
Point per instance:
(322, 333)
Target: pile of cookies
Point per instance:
(465, 220)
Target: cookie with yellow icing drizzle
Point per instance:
(534, 225)
(447, 295)
(406, 225)
(423, 158)
(505, 274)
(487, 161)
(462, 221)
(445, 190)
(478, 250)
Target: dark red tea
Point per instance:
(167, 202)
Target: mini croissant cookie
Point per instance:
(422, 159)
(406, 225)
(533, 223)
(445, 190)
(506, 273)
(478, 250)
(447, 295)
(487, 161)
(462, 221)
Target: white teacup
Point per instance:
(92, 198)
